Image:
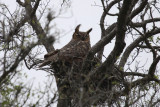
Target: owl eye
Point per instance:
(86, 35)
(78, 35)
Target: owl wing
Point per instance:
(68, 54)
(46, 56)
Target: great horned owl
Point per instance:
(75, 50)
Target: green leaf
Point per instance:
(150, 38)
(156, 76)
(98, 64)
(121, 68)
(28, 1)
(114, 82)
(5, 103)
(33, 21)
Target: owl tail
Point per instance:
(45, 63)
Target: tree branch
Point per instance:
(139, 9)
(23, 53)
(134, 44)
(134, 74)
(141, 24)
(47, 42)
(35, 7)
(20, 3)
(153, 66)
(103, 31)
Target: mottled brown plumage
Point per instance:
(74, 51)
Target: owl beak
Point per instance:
(83, 38)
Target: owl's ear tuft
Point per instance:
(77, 28)
(89, 30)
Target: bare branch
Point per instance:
(153, 66)
(134, 74)
(134, 44)
(35, 7)
(152, 49)
(139, 9)
(42, 35)
(23, 53)
(20, 3)
(141, 24)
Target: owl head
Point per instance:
(83, 36)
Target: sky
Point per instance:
(81, 12)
